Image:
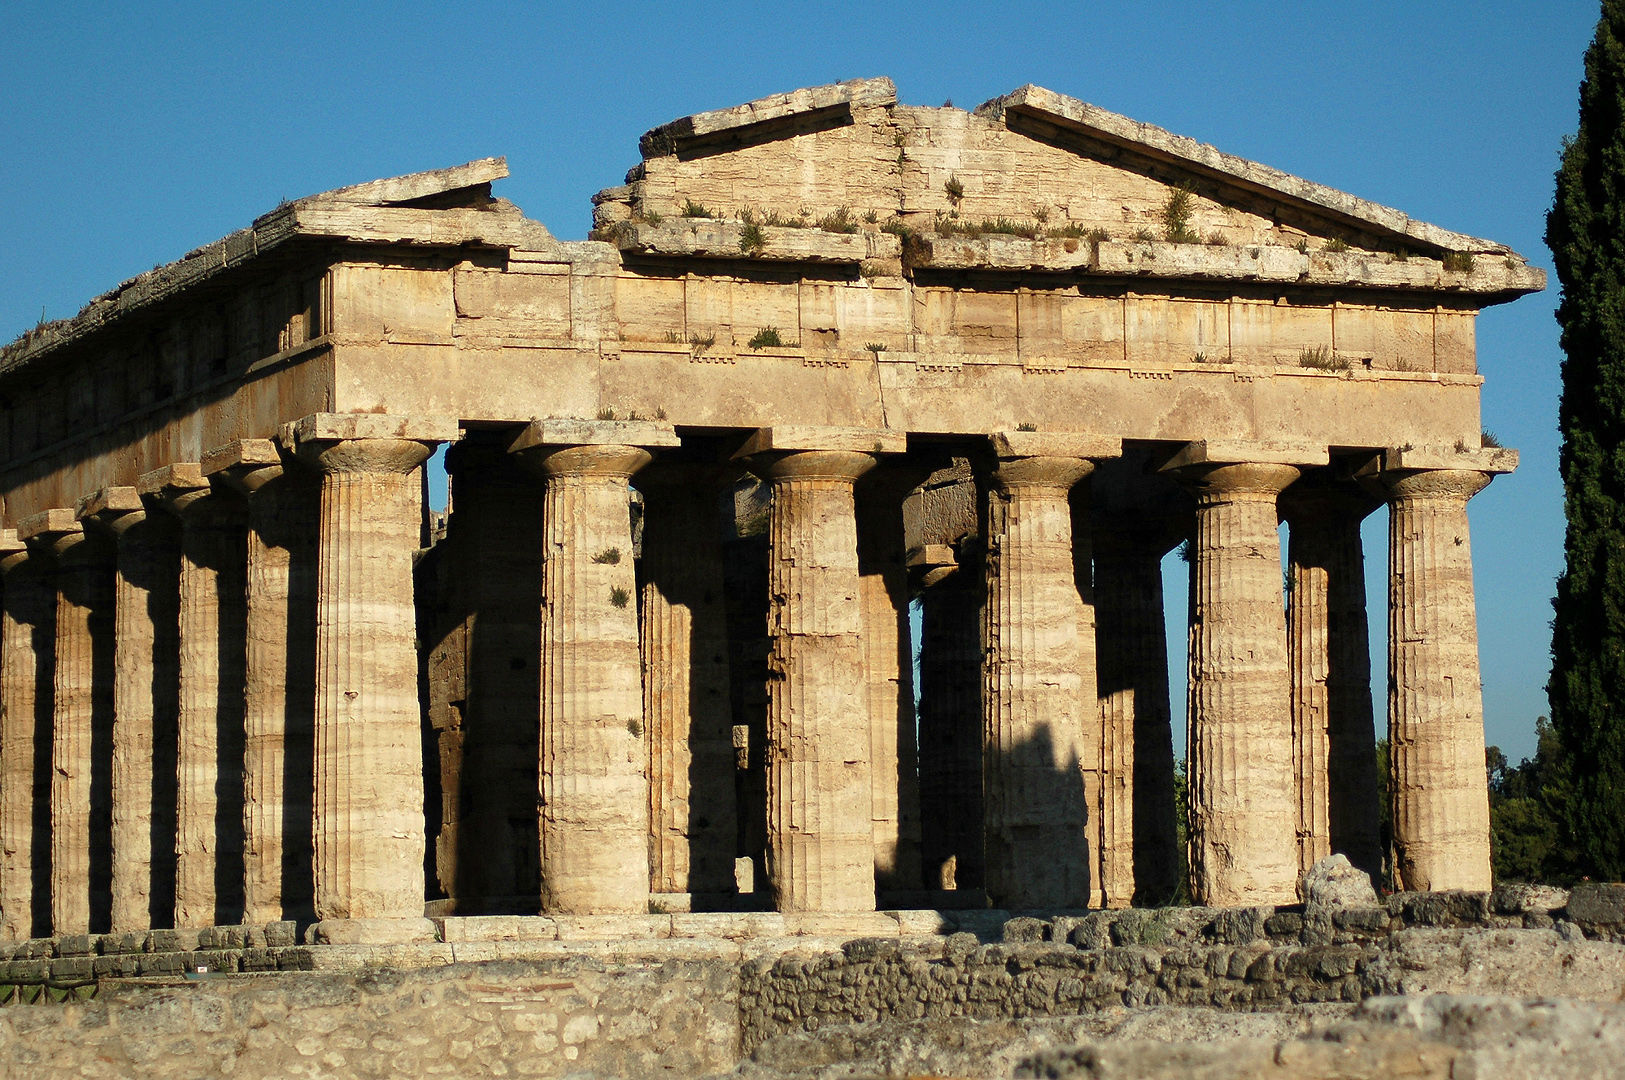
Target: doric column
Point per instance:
(1041, 742)
(888, 662)
(1242, 812)
(1137, 517)
(81, 722)
(368, 747)
(693, 822)
(1334, 742)
(950, 733)
(146, 664)
(1440, 800)
(593, 758)
(27, 659)
(279, 676)
(488, 850)
(1139, 824)
(820, 831)
(209, 724)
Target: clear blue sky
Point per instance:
(133, 132)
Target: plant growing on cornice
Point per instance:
(1460, 262)
(692, 209)
(752, 241)
(838, 221)
(1176, 216)
(766, 338)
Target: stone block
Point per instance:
(611, 927)
(221, 937)
(1368, 920)
(73, 967)
(1334, 882)
(1241, 926)
(112, 944)
(281, 934)
(1026, 929)
(840, 924)
(923, 922)
(75, 945)
(171, 941)
(1597, 903)
(496, 928)
(373, 931)
(1520, 899)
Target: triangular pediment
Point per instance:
(1033, 180)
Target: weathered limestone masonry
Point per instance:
(825, 356)
(747, 995)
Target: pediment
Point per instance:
(1030, 181)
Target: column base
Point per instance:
(372, 932)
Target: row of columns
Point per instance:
(271, 620)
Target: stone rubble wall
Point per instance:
(699, 994)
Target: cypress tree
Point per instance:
(1586, 231)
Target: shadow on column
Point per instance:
(232, 645)
(744, 569)
(493, 583)
(950, 729)
(159, 578)
(43, 632)
(1044, 861)
(299, 735)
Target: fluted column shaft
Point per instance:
(368, 788)
(889, 666)
(279, 696)
(820, 830)
(489, 848)
(82, 737)
(27, 650)
(1036, 751)
(1242, 812)
(209, 814)
(1333, 733)
(1438, 787)
(1141, 859)
(593, 759)
(951, 730)
(684, 640)
(145, 707)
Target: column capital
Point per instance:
(366, 442)
(182, 489)
(1319, 498)
(1237, 480)
(1445, 485)
(614, 448)
(1046, 459)
(59, 534)
(666, 472)
(113, 509)
(245, 464)
(13, 552)
(817, 453)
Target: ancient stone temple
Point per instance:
(804, 542)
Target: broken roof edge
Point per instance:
(877, 92)
(1071, 113)
(396, 190)
(313, 215)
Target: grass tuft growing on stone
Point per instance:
(1176, 216)
(767, 338)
